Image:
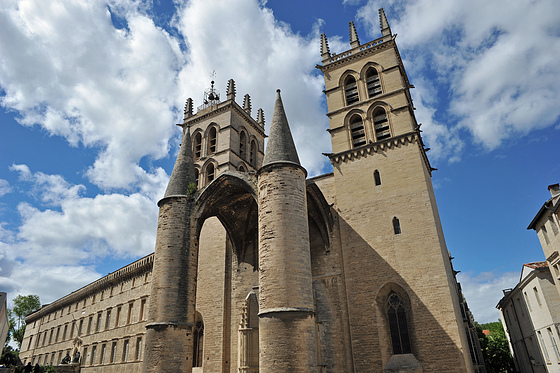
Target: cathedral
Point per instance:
(258, 268)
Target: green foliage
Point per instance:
(191, 189)
(9, 356)
(23, 306)
(495, 349)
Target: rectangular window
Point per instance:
(29, 345)
(138, 348)
(65, 331)
(52, 358)
(553, 225)
(118, 316)
(98, 325)
(108, 319)
(103, 348)
(537, 296)
(554, 345)
(543, 346)
(114, 352)
(90, 321)
(128, 317)
(142, 306)
(125, 351)
(57, 334)
(93, 351)
(84, 359)
(80, 327)
(50, 336)
(527, 301)
(72, 330)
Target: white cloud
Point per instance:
(5, 187)
(497, 60)
(483, 291)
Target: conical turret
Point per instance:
(183, 171)
(280, 147)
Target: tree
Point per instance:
(495, 349)
(23, 306)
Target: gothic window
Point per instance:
(373, 83)
(197, 145)
(210, 172)
(212, 138)
(377, 177)
(350, 90)
(357, 131)
(198, 341)
(196, 176)
(253, 154)
(242, 144)
(396, 225)
(381, 124)
(396, 314)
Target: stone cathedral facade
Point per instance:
(258, 268)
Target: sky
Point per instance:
(90, 92)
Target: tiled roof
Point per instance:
(535, 265)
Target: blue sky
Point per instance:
(90, 93)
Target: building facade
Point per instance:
(530, 313)
(258, 268)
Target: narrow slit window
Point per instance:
(381, 124)
(196, 176)
(198, 343)
(253, 154)
(373, 83)
(242, 144)
(351, 90)
(357, 131)
(377, 177)
(396, 225)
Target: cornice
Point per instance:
(136, 268)
(337, 60)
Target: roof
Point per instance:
(536, 265)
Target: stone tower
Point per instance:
(225, 136)
(286, 318)
(397, 266)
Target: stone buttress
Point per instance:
(172, 301)
(286, 317)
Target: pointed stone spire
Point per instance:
(247, 104)
(188, 109)
(354, 41)
(231, 90)
(280, 147)
(260, 117)
(183, 171)
(385, 29)
(325, 52)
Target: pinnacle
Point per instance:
(183, 171)
(280, 147)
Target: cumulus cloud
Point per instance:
(483, 291)
(5, 187)
(496, 61)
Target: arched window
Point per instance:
(381, 124)
(198, 341)
(253, 154)
(197, 145)
(197, 176)
(210, 172)
(377, 177)
(373, 83)
(242, 144)
(242, 169)
(396, 314)
(350, 90)
(357, 131)
(396, 225)
(212, 139)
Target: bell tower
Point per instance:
(393, 245)
(225, 136)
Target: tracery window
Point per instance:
(357, 131)
(396, 314)
(198, 342)
(351, 90)
(197, 145)
(381, 124)
(373, 83)
(212, 139)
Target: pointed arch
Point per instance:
(212, 139)
(351, 90)
(357, 130)
(198, 340)
(197, 177)
(253, 153)
(197, 145)
(242, 143)
(381, 125)
(394, 303)
(209, 172)
(373, 82)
